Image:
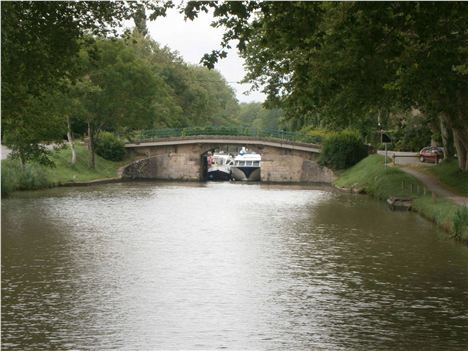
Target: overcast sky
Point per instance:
(192, 39)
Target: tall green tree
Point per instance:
(40, 41)
(193, 96)
(40, 120)
(119, 90)
(346, 63)
(255, 115)
(211, 101)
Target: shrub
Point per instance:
(9, 176)
(33, 176)
(460, 223)
(109, 147)
(17, 177)
(342, 150)
(320, 134)
(313, 135)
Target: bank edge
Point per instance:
(370, 176)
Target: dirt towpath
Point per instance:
(432, 184)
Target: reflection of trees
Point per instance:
(36, 276)
(49, 275)
(362, 274)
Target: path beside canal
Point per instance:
(435, 186)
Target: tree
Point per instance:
(254, 115)
(118, 90)
(345, 63)
(212, 100)
(40, 121)
(189, 95)
(40, 42)
(69, 107)
(432, 68)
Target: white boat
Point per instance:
(219, 166)
(246, 166)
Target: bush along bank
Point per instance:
(34, 176)
(18, 177)
(372, 177)
(342, 150)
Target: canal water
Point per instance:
(150, 266)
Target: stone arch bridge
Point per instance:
(184, 158)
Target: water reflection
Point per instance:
(148, 266)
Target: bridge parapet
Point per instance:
(158, 134)
(225, 139)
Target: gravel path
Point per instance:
(400, 158)
(432, 184)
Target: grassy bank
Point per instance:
(371, 176)
(35, 176)
(449, 174)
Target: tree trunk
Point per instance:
(444, 132)
(92, 160)
(460, 130)
(71, 142)
(462, 149)
(22, 159)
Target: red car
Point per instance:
(431, 154)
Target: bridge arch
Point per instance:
(183, 158)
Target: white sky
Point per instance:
(193, 39)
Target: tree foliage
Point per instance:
(255, 115)
(63, 64)
(343, 150)
(109, 147)
(343, 64)
(40, 42)
(132, 83)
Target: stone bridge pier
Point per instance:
(185, 160)
(293, 166)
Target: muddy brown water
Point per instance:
(150, 266)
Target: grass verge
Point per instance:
(371, 176)
(35, 176)
(449, 174)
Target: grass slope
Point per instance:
(64, 172)
(35, 176)
(380, 182)
(371, 175)
(449, 174)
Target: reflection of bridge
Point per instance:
(184, 157)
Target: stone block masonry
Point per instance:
(183, 160)
(164, 167)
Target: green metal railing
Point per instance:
(155, 134)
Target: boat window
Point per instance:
(256, 163)
(249, 163)
(241, 163)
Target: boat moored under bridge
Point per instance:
(175, 156)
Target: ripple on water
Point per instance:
(237, 266)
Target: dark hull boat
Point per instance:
(218, 174)
(219, 166)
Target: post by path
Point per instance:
(433, 185)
